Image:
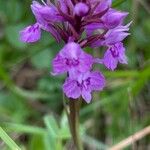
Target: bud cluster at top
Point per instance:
(80, 24)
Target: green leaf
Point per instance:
(94, 143)
(12, 145)
(64, 132)
(15, 8)
(51, 125)
(116, 3)
(12, 35)
(42, 59)
(20, 128)
(37, 143)
(53, 132)
(139, 84)
(99, 103)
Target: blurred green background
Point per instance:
(31, 107)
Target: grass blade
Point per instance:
(12, 145)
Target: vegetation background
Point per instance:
(31, 105)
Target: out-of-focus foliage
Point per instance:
(31, 105)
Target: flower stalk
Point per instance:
(72, 111)
(74, 107)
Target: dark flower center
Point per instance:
(114, 52)
(84, 84)
(72, 62)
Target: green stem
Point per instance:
(73, 117)
(74, 106)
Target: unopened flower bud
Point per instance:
(81, 9)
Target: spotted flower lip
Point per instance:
(114, 55)
(72, 57)
(83, 85)
(81, 24)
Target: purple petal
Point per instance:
(86, 95)
(45, 13)
(31, 33)
(97, 81)
(71, 89)
(122, 57)
(113, 36)
(113, 18)
(71, 50)
(59, 65)
(103, 5)
(116, 35)
(65, 4)
(86, 62)
(109, 61)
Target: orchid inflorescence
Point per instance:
(80, 24)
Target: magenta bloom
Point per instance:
(81, 24)
(72, 57)
(83, 85)
(114, 55)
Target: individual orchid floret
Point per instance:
(45, 15)
(83, 85)
(81, 9)
(113, 36)
(72, 57)
(114, 54)
(117, 34)
(31, 33)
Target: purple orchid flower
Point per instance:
(80, 24)
(113, 36)
(83, 85)
(114, 55)
(72, 57)
(45, 16)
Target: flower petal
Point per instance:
(71, 89)
(59, 65)
(113, 18)
(31, 33)
(86, 95)
(109, 61)
(97, 80)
